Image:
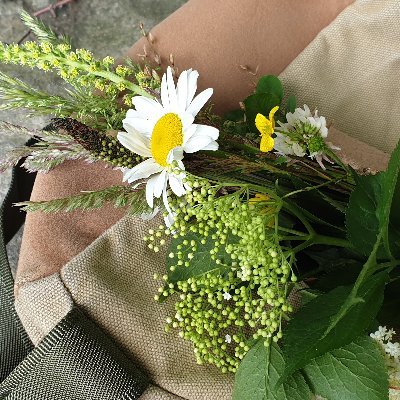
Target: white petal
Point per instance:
(169, 220)
(135, 142)
(165, 199)
(187, 120)
(133, 114)
(160, 184)
(150, 186)
(176, 185)
(291, 119)
(213, 146)
(205, 130)
(196, 143)
(189, 132)
(181, 166)
(142, 125)
(148, 107)
(199, 101)
(176, 154)
(164, 92)
(192, 86)
(142, 170)
(173, 100)
(181, 90)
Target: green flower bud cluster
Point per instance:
(243, 295)
(117, 155)
(103, 146)
(79, 67)
(307, 136)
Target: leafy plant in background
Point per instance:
(280, 263)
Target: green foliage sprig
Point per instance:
(100, 89)
(118, 196)
(79, 68)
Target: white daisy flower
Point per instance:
(163, 131)
(304, 132)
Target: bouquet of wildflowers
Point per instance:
(282, 261)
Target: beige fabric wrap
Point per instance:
(349, 72)
(112, 281)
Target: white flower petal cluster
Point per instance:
(288, 147)
(163, 131)
(304, 132)
(391, 350)
(305, 116)
(227, 296)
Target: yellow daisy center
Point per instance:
(167, 134)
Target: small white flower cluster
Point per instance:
(391, 350)
(303, 133)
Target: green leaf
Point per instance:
(271, 85)
(316, 328)
(259, 103)
(339, 267)
(361, 216)
(259, 373)
(353, 372)
(389, 210)
(291, 104)
(373, 209)
(201, 262)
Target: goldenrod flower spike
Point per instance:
(266, 127)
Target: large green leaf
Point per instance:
(361, 216)
(374, 209)
(271, 85)
(259, 373)
(316, 328)
(201, 262)
(388, 208)
(353, 372)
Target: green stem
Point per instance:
(291, 238)
(332, 241)
(294, 231)
(307, 243)
(297, 213)
(103, 74)
(314, 239)
(309, 188)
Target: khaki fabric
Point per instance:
(154, 392)
(112, 281)
(350, 72)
